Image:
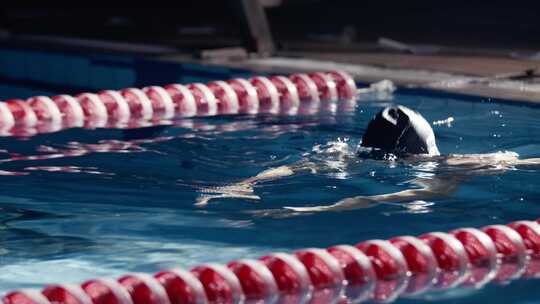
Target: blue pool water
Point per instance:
(126, 202)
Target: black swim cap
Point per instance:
(400, 130)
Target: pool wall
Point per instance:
(76, 72)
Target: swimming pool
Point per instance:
(127, 203)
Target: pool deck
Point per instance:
(486, 76)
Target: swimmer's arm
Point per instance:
(244, 188)
(280, 172)
(484, 163)
(528, 162)
(362, 202)
(433, 188)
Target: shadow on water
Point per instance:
(16, 241)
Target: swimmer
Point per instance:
(403, 134)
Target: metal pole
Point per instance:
(256, 32)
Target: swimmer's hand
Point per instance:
(243, 189)
(240, 190)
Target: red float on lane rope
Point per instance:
(307, 89)
(182, 287)
(326, 86)
(162, 104)
(45, 109)
(481, 253)
(323, 269)
(139, 104)
(220, 283)
(25, 296)
(324, 272)
(344, 83)
(290, 275)
(117, 107)
(67, 293)
(390, 268)
(357, 270)
(204, 98)
(7, 120)
(23, 114)
(387, 260)
(421, 262)
(226, 98)
(144, 289)
(530, 233)
(106, 291)
(308, 93)
(95, 112)
(183, 99)
(511, 250)
(258, 283)
(451, 258)
(267, 93)
(356, 266)
(71, 110)
(288, 94)
(247, 95)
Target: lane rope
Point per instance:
(379, 270)
(133, 107)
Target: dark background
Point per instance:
(200, 24)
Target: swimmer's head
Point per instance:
(400, 130)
